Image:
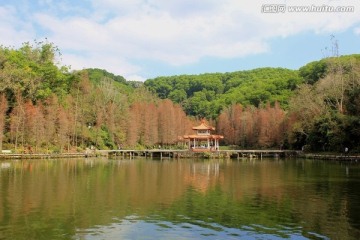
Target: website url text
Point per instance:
(282, 8)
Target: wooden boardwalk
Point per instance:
(155, 153)
(161, 153)
(171, 153)
(234, 154)
(40, 155)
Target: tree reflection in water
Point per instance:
(100, 198)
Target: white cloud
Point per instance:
(13, 30)
(357, 31)
(110, 63)
(135, 78)
(177, 32)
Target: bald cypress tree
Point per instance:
(3, 109)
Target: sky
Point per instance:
(142, 39)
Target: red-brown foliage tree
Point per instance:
(262, 127)
(225, 126)
(50, 117)
(133, 125)
(63, 129)
(17, 121)
(3, 109)
(33, 126)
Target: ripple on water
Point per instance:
(133, 227)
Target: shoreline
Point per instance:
(40, 155)
(332, 157)
(230, 154)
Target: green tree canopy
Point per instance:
(207, 94)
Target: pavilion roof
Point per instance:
(203, 126)
(203, 137)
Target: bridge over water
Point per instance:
(171, 153)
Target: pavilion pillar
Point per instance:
(208, 143)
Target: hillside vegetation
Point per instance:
(206, 95)
(325, 113)
(45, 107)
(315, 107)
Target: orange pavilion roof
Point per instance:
(203, 126)
(203, 137)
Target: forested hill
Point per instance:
(316, 70)
(207, 94)
(48, 108)
(97, 75)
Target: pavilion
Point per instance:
(203, 140)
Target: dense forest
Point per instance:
(324, 113)
(315, 107)
(207, 94)
(45, 106)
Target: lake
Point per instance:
(179, 199)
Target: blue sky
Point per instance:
(141, 39)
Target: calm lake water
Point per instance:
(179, 199)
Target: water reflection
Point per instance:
(142, 229)
(178, 199)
